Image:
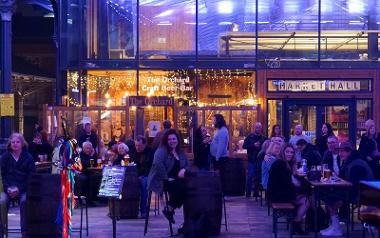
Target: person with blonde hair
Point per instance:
(369, 147)
(16, 167)
(272, 154)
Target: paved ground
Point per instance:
(245, 219)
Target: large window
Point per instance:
(226, 87)
(111, 29)
(167, 28)
(179, 84)
(288, 29)
(226, 28)
(349, 29)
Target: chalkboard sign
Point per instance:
(112, 182)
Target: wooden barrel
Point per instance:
(203, 201)
(233, 179)
(128, 206)
(42, 200)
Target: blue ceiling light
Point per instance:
(46, 4)
(165, 13)
(356, 6)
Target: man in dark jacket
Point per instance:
(84, 180)
(253, 144)
(352, 169)
(143, 159)
(331, 156)
(89, 135)
(309, 152)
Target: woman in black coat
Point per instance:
(284, 187)
(369, 148)
(321, 142)
(201, 148)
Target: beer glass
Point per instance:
(327, 173)
(92, 163)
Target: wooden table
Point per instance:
(321, 190)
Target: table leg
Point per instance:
(315, 213)
(348, 213)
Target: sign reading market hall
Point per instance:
(319, 85)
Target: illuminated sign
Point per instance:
(140, 101)
(167, 84)
(326, 85)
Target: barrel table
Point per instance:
(42, 200)
(203, 204)
(233, 178)
(128, 206)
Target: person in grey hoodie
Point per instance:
(219, 144)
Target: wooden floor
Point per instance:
(245, 219)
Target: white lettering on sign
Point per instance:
(167, 84)
(315, 85)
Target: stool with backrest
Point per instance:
(282, 210)
(81, 201)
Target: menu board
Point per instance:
(112, 182)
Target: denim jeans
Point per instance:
(4, 199)
(143, 194)
(250, 175)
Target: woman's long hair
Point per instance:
(273, 131)
(219, 121)
(330, 131)
(164, 140)
(292, 164)
(21, 138)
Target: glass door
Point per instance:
(311, 114)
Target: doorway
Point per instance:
(312, 114)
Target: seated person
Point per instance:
(169, 167)
(88, 159)
(122, 151)
(39, 149)
(16, 167)
(352, 169)
(309, 152)
(283, 187)
(143, 158)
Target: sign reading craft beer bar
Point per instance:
(319, 85)
(140, 101)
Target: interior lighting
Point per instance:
(165, 13)
(355, 6)
(107, 95)
(225, 7)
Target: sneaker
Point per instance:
(169, 215)
(325, 230)
(333, 232)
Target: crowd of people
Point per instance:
(272, 164)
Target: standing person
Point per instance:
(331, 156)
(169, 167)
(39, 149)
(296, 137)
(143, 159)
(276, 131)
(369, 147)
(219, 144)
(17, 165)
(201, 148)
(253, 144)
(283, 186)
(321, 141)
(89, 135)
(157, 140)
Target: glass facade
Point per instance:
(188, 29)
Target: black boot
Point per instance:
(169, 214)
(297, 229)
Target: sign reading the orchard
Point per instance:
(319, 85)
(140, 101)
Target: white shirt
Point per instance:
(335, 164)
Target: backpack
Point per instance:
(196, 227)
(322, 219)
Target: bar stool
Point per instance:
(148, 209)
(83, 205)
(281, 210)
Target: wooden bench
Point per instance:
(282, 210)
